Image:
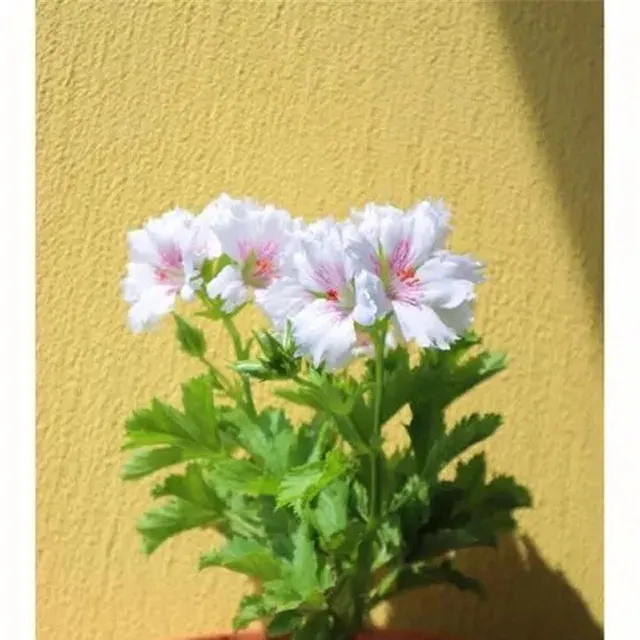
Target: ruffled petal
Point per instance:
(282, 300)
(371, 303)
(230, 287)
(422, 324)
(324, 333)
(150, 307)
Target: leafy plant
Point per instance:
(319, 513)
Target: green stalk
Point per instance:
(377, 413)
(240, 355)
(366, 558)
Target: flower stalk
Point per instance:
(241, 354)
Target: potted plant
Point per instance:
(366, 317)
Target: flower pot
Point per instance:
(376, 634)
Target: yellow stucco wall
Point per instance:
(318, 106)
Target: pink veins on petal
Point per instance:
(330, 277)
(262, 260)
(404, 285)
(170, 269)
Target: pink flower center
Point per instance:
(401, 281)
(170, 270)
(332, 295)
(259, 263)
(407, 275)
(264, 269)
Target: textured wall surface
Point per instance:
(317, 107)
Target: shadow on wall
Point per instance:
(526, 600)
(559, 52)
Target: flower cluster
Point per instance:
(331, 280)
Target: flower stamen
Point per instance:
(408, 275)
(332, 295)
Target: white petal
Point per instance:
(321, 261)
(271, 225)
(204, 240)
(446, 265)
(229, 286)
(459, 319)
(393, 230)
(422, 324)
(231, 231)
(141, 247)
(325, 334)
(359, 249)
(151, 307)
(187, 293)
(282, 300)
(430, 228)
(372, 303)
(449, 280)
(447, 294)
(169, 227)
(139, 278)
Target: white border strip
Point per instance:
(17, 334)
(622, 292)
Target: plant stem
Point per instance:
(377, 414)
(240, 355)
(367, 559)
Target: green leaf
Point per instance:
(250, 609)
(343, 544)
(472, 473)
(503, 492)
(389, 542)
(425, 428)
(414, 490)
(304, 568)
(280, 594)
(268, 439)
(197, 400)
(317, 626)
(253, 369)
(303, 483)
(439, 378)
(148, 460)
(475, 370)
(467, 432)
(185, 436)
(194, 486)
(191, 338)
(468, 512)
(312, 441)
(243, 476)
(160, 523)
(244, 556)
(331, 513)
(161, 424)
(360, 500)
(195, 504)
(338, 397)
(414, 576)
(284, 623)
(303, 397)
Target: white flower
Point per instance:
(164, 261)
(323, 296)
(430, 289)
(256, 239)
